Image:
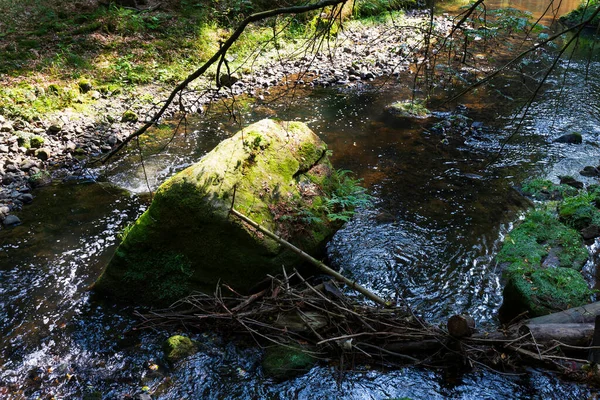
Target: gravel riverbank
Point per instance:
(60, 146)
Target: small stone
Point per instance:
(105, 148)
(43, 154)
(55, 128)
(11, 220)
(4, 148)
(95, 95)
(70, 146)
(6, 127)
(112, 140)
(26, 198)
(569, 180)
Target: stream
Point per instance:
(441, 210)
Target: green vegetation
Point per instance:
(582, 13)
(542, 256)
(580, 211)
(53, 53)
(543, 189)
(528, 244)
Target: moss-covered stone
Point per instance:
(281, 362)
(178, 347)
(129, 116)
(36, 141)
(527, 246)
(187, 241)
(543, 189)
(24, 138)
(408, 110)
(582, 13)
(580, 211)
(543, 291)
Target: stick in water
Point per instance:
(313, 261)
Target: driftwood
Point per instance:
(330, 325)
(576, 315)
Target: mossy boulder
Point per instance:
(543, 291)
(541, 260)
(580, 211)
(178, 347)
(276, 173)
(283, 362)
(539, 236)
(582, 13)
(544, 190)
(408, 110)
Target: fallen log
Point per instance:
(570, 334)
(577, 315)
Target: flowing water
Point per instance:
(440, 212)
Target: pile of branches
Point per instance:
(329, 324)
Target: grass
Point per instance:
(48, 47)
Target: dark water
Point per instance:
(440, 212)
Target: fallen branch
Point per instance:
(313, 261)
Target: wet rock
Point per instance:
(590, 232)
(11, 220)
(26, 198)
(179, 347)
(570, 181)
(281, 363)
(589, 171)
(570, 138)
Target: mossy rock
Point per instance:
(543, 190)
(187, 241)
(543, 291)
(36, 141)
(129, 116)
(539, 235)
(582, 13)
(580, 211)
(282, 362)
(24, 138)
(178, 347)
(408, 110)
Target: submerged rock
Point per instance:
(277, 173)
(285, 362)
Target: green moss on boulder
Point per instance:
(186, 241)
(543, 189)
(580, 211)
(408, 110)
(544, 291)
(527, 246)
(281, 362)
(129, 116)
(178, 347)
(582, 13)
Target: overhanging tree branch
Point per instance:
(216, 57)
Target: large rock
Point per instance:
(277, 173)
